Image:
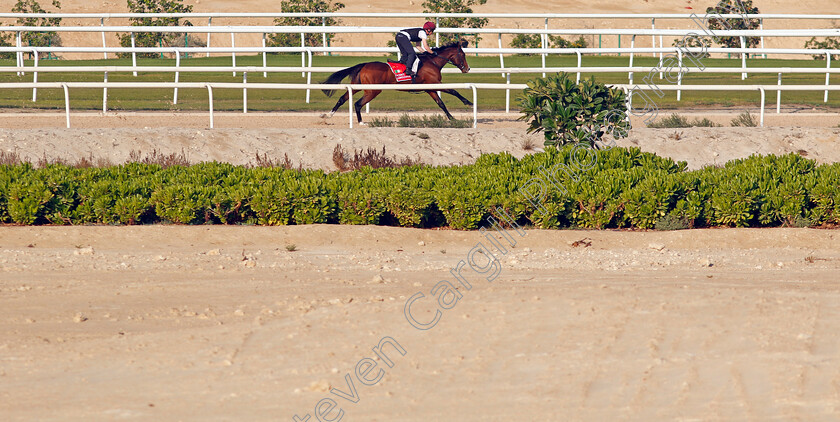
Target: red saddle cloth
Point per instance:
(399, 72)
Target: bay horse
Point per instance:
(380, 73)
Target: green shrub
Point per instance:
(825, 195)
(694, 42)
(314, 202)
(272, 203)
(304, 6)
(37, 39)
(554, 41)
(735, 7)
(435, 121)
(361, 197)
(183, 204)
(462, 197)
(678, 121)
(153, 39)
(455, 6)
(567, 112)
(611, 188)
(745, 119)
(410, 198)
(671, 222)
(828, 43)
(27, 201)
(650, 200)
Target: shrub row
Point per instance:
(624, 188)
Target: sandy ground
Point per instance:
(171, 323)
(224, 323)
(309, 140)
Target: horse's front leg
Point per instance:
(440, 104)
(458, 96)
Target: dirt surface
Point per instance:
(225, 323)
(172, 323)
(309, 140)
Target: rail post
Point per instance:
(233, 51)
(779, 96)
(761, 27)
(744, 58)
(543, 39)
(105, 95)
(177, 76)
(761, 119)
(209, 23)
(67, 103)
(19, 53)
(653, 37)
(324, 34)
(302, 54)
(502, 57)
(35, 73)
(475, 105)
(133, 54)
(350, 104)
(827, 74)
(104, 44)
(210, 97)
(632, 46)
(265, 59)
(679, 75)
(309, 75)
(507, 96)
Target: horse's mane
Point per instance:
(439, 49)
(444, 47)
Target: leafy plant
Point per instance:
(153, 39)
(554, 41)
(434, 121)
(37, 39)
(739, 7)
(745, 119)
(27, 201)
(679, 121)
(456, 6)
(672, 222)
(567, 112)
(694, 42)
(828, 43)
(304, 6)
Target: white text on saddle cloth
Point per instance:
(399, 72)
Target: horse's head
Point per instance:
(454, 53)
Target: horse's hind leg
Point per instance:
(338, 104)
(458, 96)
(368, 97)
(440, 104)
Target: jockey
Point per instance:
(404, 39)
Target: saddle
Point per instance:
(399, 71)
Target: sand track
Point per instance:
(224, 323)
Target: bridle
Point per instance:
(460, 67)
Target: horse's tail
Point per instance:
(337, 77)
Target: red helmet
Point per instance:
(429, 26)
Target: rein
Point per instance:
(448, 60)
